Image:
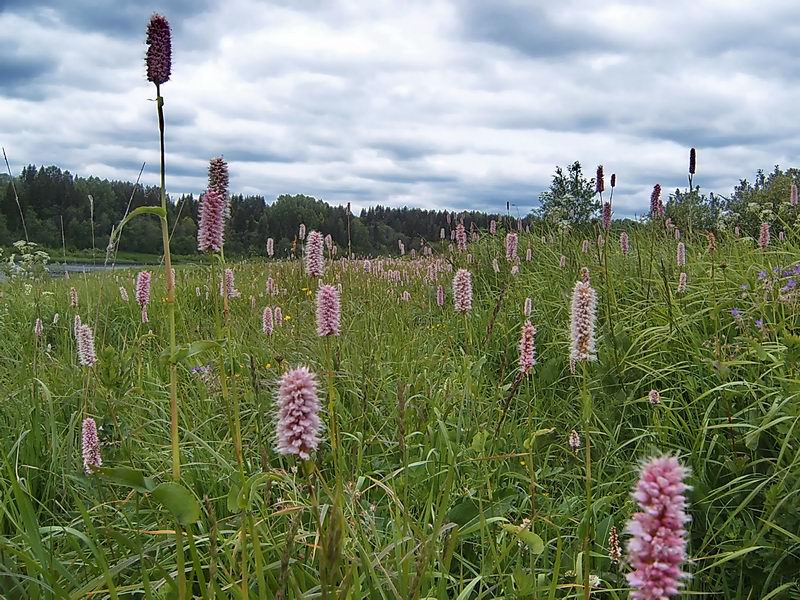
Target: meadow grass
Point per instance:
(452, 479)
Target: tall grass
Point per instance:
(431, 499)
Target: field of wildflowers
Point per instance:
(522, 412)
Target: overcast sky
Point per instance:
(434, 103)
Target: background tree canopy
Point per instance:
(55, 202)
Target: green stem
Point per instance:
(587, 456)
(173, 368)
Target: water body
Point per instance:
(59, 270)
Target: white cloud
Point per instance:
(434, 103)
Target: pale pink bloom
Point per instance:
(38, 328)
(562, 261)
(654, 396)
(493, 227)
(367, 266)
(441, 233)
(90, 446)
(315, 262)
(624, 245)
(329, 242)
(85, 343)
(227, 285)
(56, 317)
(528, 255)
(527, 348)
(440, 296)
(585, 246)
(574, 440)
(677, 234)
(406, 296)
(211, 228)
(680, 256)
(267, 324)
(607, 215)
(782, 236)
(143, 292)
(511, 246)
(528, 307)
(461, 237)
(515, 270)
(328, 311)
(462, 291)
(614, 550)
(298, 424)
(763, 236)
(657, 548)
(278, 316)
(73, 297)
(793, 195)
(682, 283)
(271, 288)
(270, 247)
(582, 322)
(495, 265)
(123, 294)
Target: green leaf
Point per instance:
(530, 539)
(233, 497)
(188, 351)
(179, 501)
(128, 477)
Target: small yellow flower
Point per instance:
(268, 365)
(288, 317)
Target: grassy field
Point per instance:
(454, 476)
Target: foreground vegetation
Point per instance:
(434, 472)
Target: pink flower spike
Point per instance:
(90, 446)
(85, 339)
(511, 246)
(143, 292)
(763, 236)
(159, 50)
(328, 311)
(315, 262)
(583, 317)
(462, 291)
(298, 424)
(624, 244)
(527, 348)
(267, 324)
(657, 548)
(211, 228)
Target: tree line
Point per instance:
(59, 208)
(79, 212)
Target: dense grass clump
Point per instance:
(441, 471)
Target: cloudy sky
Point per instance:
(433, 103)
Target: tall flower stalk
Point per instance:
(159, 69)
(583, 320)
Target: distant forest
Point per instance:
(49, 196)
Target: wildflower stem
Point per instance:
(173, 368)
(587, 454)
